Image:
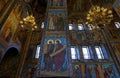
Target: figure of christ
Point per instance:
(58, 55)
(52, 21)
(47, 59)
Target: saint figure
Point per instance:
(60, 22)
(47, 59)
(58, 55)
(52, 21)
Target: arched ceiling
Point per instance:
(76, 8)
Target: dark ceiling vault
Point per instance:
(77, 8)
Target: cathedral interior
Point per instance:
(59, 38)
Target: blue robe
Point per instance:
(87, 74)
(93, 74)
(79, 73)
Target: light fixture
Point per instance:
(28, 23)
(99, 16)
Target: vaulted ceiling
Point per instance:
(77, 8)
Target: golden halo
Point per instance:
(50, 41)
(76, 66)
(57, 40)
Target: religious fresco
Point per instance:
(56, 3)
(81, 36)
(55, 59)
(77, 37)
(95, 71)
(117, 51)
(110, 71)
(56, 20)
(5, 6)
(73, 37)
(85, 71)
(116, 7)
(10, 26)
(2, 4)
(54, 56)
(94, 35)
(118, 10)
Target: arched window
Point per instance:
(37, 51)
(117, 24)
(99, 52)
(70, 27)
(42, 25)
(86, 52)
(75, 53)
(80, 26)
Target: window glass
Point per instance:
(42, 25)
(37, 51)
(99, 52)
(70, 27)
(80, 27)
(86, 53)
(117, 24)
(73, 53)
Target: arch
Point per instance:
(11, 51)
(13, 45)
(9, 62)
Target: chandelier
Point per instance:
(28, 23)
(99, 16)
